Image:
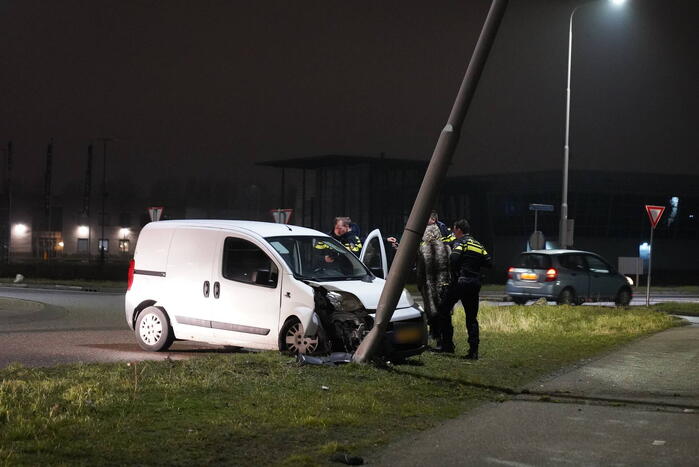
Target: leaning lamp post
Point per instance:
(563, 239)
(434, 176)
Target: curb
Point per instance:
(74, 288)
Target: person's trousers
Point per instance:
(468, 295)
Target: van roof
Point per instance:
(263, 229)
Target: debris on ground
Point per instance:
(335, 358)
(344, 458)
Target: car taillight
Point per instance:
(132, 267)
(510, 273)
(551, 274)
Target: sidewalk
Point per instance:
(636, 406)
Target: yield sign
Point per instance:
(654, 214)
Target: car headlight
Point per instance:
(345, 301)
(629, 280)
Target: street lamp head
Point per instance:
(618, 2)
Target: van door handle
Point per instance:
(217, 290)
(205, 289)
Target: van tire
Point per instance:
(293, 342)
(520, 300)
(567, 297)
(623, 297)
(153, 330)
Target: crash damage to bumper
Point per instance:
(344, 322)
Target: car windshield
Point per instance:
(318, 258)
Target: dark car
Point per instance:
(568, 277)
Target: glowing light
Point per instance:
(618, 2)
(124, 232)
(83, 231)
(61, 244)
(20, 229)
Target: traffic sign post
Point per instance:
(281, 216)
(155, 212)
(537, 241)
(654, 215)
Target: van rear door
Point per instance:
(246, 294)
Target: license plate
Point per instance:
(528, 276)
(406, 335)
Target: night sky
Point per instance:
(207, 88)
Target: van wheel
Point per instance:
(567, 297)
(623, 297)
(519, 300)
(153, 330)
(292, 340)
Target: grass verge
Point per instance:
(262, 408)
(678, 308)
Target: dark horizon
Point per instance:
(208, 90)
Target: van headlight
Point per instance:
(629, 280)
(345, 301)
(409, 297)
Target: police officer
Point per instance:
(465, 261)
(342, 232)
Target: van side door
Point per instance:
(373, 254)
(188, 300)
(246, 294)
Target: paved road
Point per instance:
(638, 406)
(40, 327)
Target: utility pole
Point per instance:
(8, 185)
(87, 192)
(102, 241)
(434, 176)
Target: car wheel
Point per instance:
(567, 297)
(292, 340)
(519, 300)
(153, 330)
(623, 297)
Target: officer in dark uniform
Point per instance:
(342, 232)
(468, 256)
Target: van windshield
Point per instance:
(318, 258)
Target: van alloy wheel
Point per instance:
(151, 329)
(296, 342)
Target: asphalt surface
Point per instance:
(45, 327)
(637, 406)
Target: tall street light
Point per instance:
(563, 239)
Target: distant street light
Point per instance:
(563, 232)
(20, 229)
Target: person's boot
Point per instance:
(472, 354)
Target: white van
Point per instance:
(259, 285)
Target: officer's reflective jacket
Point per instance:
(350, 241)
(467, 258)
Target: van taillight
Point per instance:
(551, 275)
(132, 267)
(510, 272)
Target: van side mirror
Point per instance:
(265, 277)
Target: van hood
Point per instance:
(367, 292)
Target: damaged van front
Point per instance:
(345, 296)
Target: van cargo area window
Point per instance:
(245, 262)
